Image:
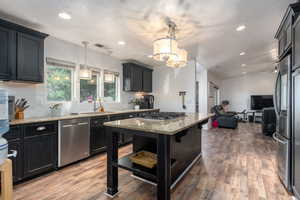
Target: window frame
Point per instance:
(73, 83)
(98, 85)
(118, 86)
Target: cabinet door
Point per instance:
(17, 163)
(147, 80)
(40, 154)
(137, 78)
(30, 58)
(127, 82)
(7, 54)
(98, 138)
(296, 54)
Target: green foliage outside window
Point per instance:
(88, 88)
(59, 84)
(110, 89)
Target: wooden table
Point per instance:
(6, 180)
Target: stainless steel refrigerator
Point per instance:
(283, 132)
(296, 131)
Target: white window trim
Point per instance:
(99, 81)
(118, 87)
(73, 70)
(75, 82)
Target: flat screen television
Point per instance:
(258, 102)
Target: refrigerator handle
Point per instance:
(275, 97)
(277, 139)
(297, 71)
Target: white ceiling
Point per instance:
(205, 28)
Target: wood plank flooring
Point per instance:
(236, 164)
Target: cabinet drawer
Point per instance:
(40, 129)
(98, 121)
(14, 133)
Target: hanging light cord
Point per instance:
(172, 30)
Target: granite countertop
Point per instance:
(168, 127)
(80, 115)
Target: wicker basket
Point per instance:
(144, 158)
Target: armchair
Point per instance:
(227, 120)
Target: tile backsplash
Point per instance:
(39, 106)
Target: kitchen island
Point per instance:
(176, 141)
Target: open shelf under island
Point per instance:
(176, 142)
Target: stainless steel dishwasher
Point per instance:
(73, 140)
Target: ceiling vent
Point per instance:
(104, 49)
(99, 45)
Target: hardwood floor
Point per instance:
(236, 164)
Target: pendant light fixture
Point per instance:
(85, 72)
(180, 60)
(166, 49)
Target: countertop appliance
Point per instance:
(73, 140)
(283, 132)
(147, 102)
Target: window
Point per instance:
(111, 86)
(89, 88)
(59, 83)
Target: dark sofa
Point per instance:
(228, 120)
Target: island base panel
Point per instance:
(112, 157)
(185, 147)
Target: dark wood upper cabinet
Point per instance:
(7, 53)
(147, 80)
(136, 78)
(21, 53)
(30, 58)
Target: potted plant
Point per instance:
(55, 110)
(136, 103)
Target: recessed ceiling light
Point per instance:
(241, 28)
(243, 65)
(64, 15)
(244, 72)
(121, 43)
(242, 53)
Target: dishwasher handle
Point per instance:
(82, 123)
(67, 125)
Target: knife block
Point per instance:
(20, 115)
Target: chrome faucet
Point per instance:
(96, 108)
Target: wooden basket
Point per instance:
(144, 158)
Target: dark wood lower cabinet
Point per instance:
(36, 146)
(17, 164)
(97, 139)
(40, 154)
